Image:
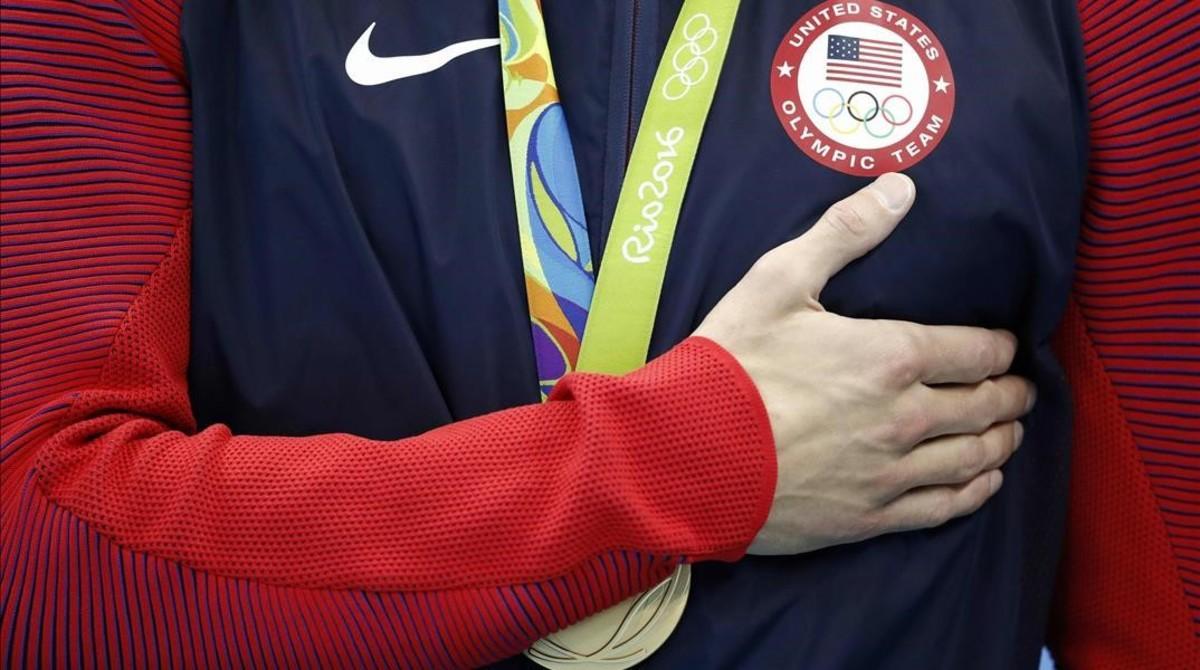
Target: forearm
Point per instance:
(675, 460)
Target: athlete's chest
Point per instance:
(369, 140)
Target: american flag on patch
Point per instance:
(863, 61)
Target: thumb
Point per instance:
(848, 230)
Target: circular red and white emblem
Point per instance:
(863, 87)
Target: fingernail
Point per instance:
(894, 190)
(996, 480)
(1018, 435)
(1032, 399)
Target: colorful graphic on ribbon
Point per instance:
(557, 258)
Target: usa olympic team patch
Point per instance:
(863, 87)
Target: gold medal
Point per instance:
(620, 636)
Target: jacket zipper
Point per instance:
(635, 10)
(628, 80)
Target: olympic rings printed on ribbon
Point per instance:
(859, 117)
(701, 37)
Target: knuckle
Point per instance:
(905, 362)
(990, 402)
(992, 448)
(991, 394)
(770, 267)
(846, 219)
(940, 509)
(1011, 395)
(903, 369)
(984, 354)
(873, 524)
(909, 336)
(890, 481)
(973, 498)
(906, 429)
(1005, 349)
(1021, 393)
(889, 436)
(772, 276)
(972, 457)
(1009, 390)
(916, 425)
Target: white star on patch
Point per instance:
(785, 70)
(942, 85)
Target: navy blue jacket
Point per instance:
(356, 268)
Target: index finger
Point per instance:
(961, 354)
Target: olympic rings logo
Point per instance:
(701, 38)
(862, 107)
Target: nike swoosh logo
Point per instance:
(367, 69)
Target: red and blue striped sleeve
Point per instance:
(1129, 584)
(132, 538)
